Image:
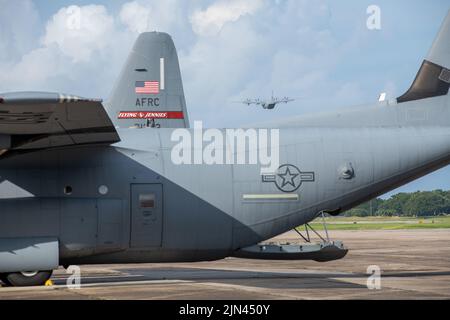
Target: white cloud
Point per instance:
(36, 67)
(80, 31)
(228, 50)
(154, 15)
(136, 16)
(19, 28)
(221, 66)
(80, 49)
(286, 47)
(80, 52)
(210, 21)
(259, 46)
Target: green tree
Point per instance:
(421, 203)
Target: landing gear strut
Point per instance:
(308, 227)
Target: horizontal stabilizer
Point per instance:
(36, 120)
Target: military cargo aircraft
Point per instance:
(268, 104)
(82, 182)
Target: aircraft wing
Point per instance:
(285, 100)
(249, 102)
(36, 120)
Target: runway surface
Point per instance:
(415, 264)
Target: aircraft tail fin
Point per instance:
(433, 78)
(149, 90)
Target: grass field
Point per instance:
(382, 223)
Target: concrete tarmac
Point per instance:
(415, 264)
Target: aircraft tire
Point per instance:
(3, 279)
(26, 279)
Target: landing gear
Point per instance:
(323, 251)
(26, 279)
(3, 278)
(309, 227)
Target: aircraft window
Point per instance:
(147, 200)
(68, 190)
(103, 190)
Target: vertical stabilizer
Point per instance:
(149, 90)
(433, 78)
(440, 51)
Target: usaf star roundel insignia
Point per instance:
(289, 178)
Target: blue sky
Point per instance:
(319, 51)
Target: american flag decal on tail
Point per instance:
(147, 87)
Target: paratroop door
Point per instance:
(146, 215)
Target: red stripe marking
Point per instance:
(151, 115)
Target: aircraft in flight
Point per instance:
(82, 182)
(268, 104)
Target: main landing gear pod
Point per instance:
(28, 261)
(323, 251)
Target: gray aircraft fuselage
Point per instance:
(202, 212)
(79, 186)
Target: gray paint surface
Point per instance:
(147, 209)
(440, 50)
(28, 254)
(144, 64)
(203, 213)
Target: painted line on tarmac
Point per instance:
(92, 285)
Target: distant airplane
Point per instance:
(266, 104)
(82, 182)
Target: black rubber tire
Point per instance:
(17, 279)
(4, 280)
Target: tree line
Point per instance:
(421, 203)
